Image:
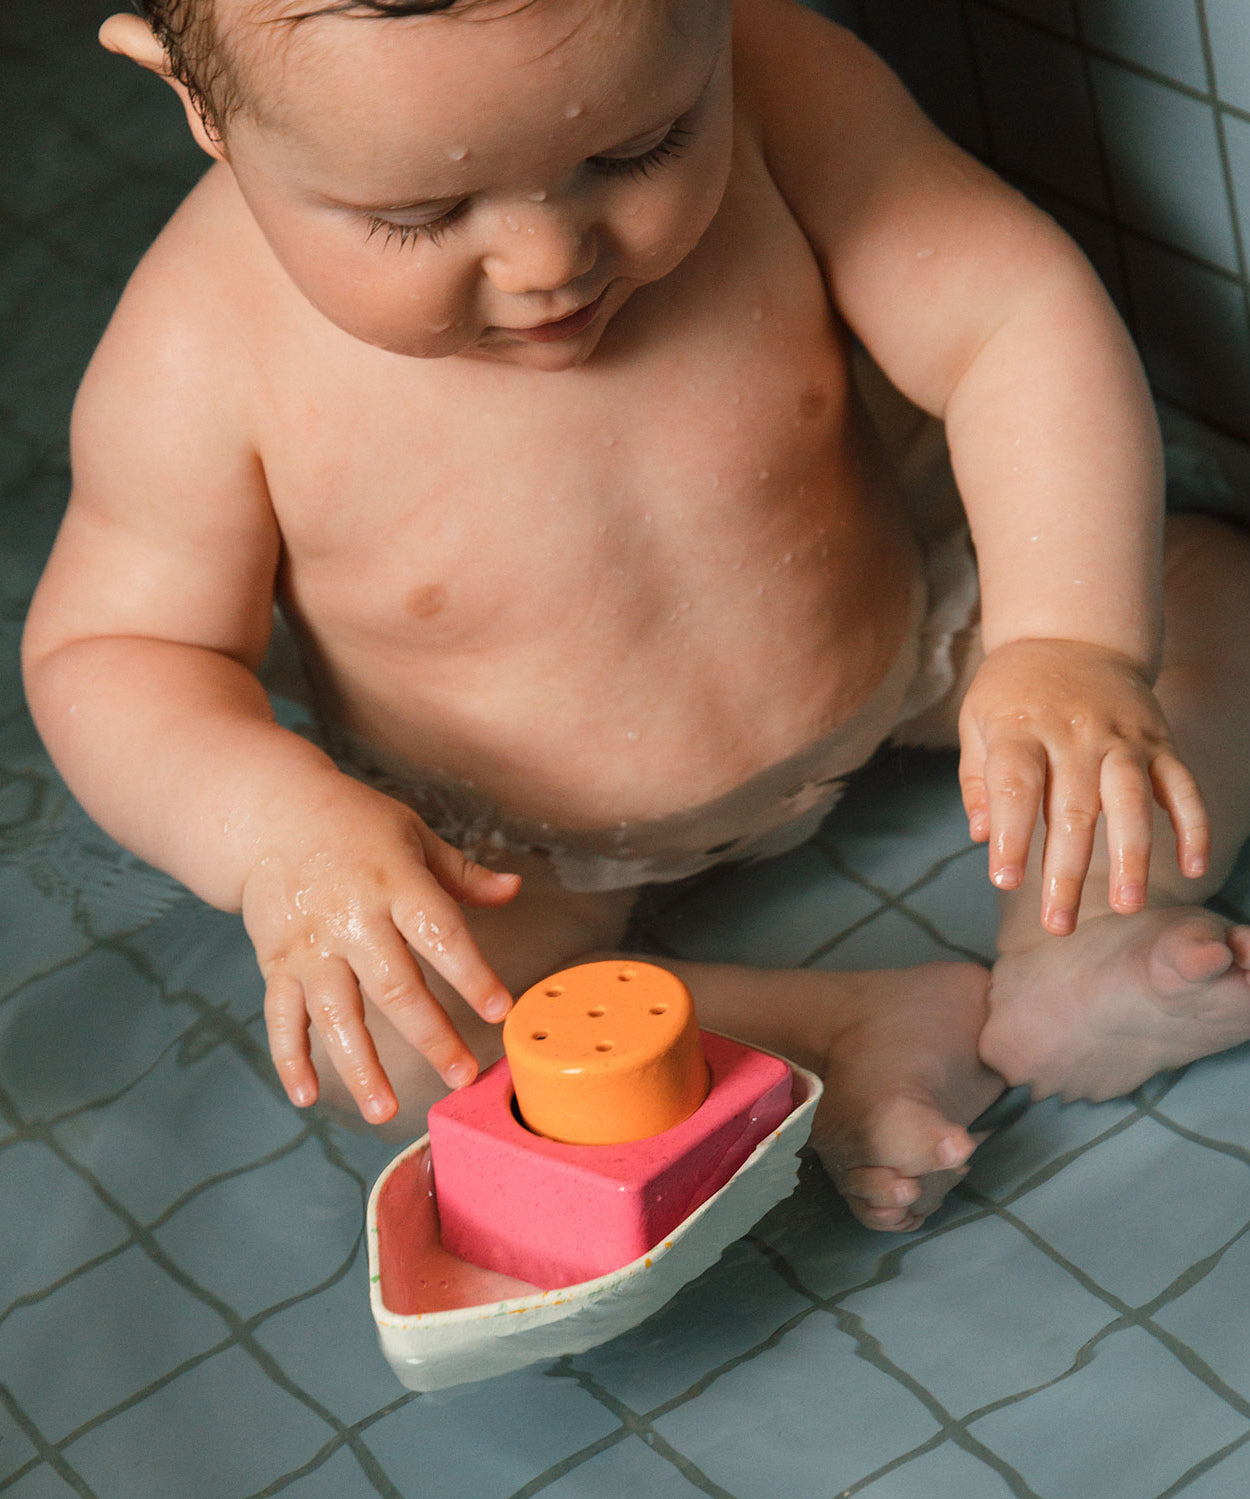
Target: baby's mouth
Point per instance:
(565, 327)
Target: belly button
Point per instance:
(427, 601)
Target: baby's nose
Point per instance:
(539, 251)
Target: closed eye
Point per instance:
(432, 230)
(673, 144)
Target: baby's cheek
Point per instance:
(398, 312)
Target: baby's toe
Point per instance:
(880, 1186)
(894, 1220)
(1188, 951)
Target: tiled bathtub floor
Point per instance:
(183, 1304)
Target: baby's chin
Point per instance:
(496, 345)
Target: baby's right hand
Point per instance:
(335, 906)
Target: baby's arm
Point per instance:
(982, 311)
(140, 654)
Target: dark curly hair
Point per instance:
(199, 59)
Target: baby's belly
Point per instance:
(641, 700)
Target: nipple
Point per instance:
(457, 153)
(571, 111)
(605, 1053)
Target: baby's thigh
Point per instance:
(544, 928)
(1206, 586)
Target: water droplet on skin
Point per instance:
(439, 327)
(457, 153)
(571, 111)
(538, 197)
(787, 558)
(646, 520)
(763, 474)
(757, 314)
(631, 735)
(607, 439)
(715, 481)
(511, 222)
(736, 398)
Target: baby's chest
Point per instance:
(484, 508)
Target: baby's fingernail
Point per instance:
(1061, 921)
(378, 1108)
(1132, 895)
(1007, 878)
(1195, 866)
(497, 1006)
(458, 1074)
(302, 1096)
(949, 1152)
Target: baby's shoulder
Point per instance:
(177, 330)
(170, 387)
(792, 64)
(838, 132)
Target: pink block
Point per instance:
(555, 1214)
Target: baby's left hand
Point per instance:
(1073, 729)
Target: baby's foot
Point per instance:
(1095, 1014)
(902, 1079)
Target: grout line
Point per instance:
(1126, 1316)
(47, 1452)
(1115, 219)
(1104, 54)
(1212, 1459)
(237, 1325)
(1221, 136)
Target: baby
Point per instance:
(507, 346)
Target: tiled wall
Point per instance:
(1129, 120)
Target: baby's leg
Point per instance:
(1094, 1014)
(897, 1049)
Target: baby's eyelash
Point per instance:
(409, 234)
(673, 144)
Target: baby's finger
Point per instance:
(286, 1022)
(1015, 777)
(1128, 805)
(1177, 793)
(1072, 807)
(434, 927)
(392, 978)
(464, 880)
(337, 1010)
(972, 788)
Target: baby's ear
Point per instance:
(130, 36)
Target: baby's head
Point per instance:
(490, 178)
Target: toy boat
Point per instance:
(442, 1321)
